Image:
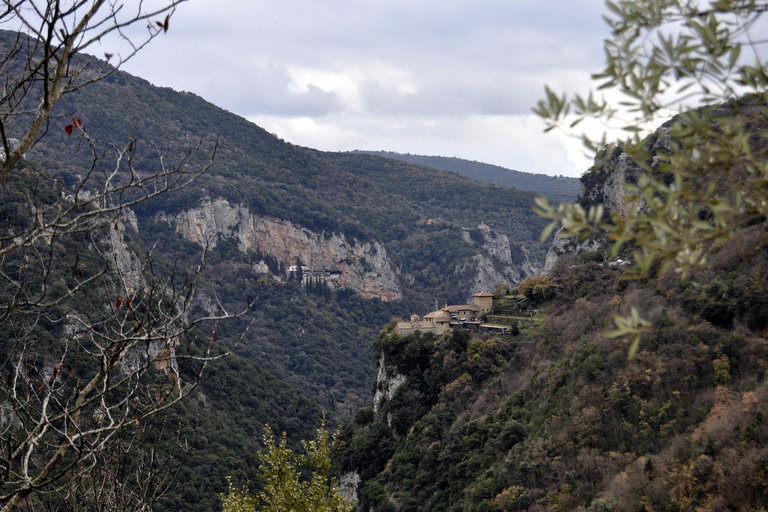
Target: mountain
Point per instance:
(394, 233)
(557, 188)
(551, 416)
(369, 239)
(555, 416)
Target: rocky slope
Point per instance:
(557, 417)
(496, 264)
(604, 186)
(363, 267)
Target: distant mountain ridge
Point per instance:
(555, 416)
(379, 238)
(559, 188)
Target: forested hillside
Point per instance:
(176, 284)
(395, 239)
(560, 414)
(556, 188)
(557, 417)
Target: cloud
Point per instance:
(270, 90)
(515, 142)
(395, 67)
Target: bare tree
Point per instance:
(39, 70)
(95, 342)
(133, 475)
(69, 408)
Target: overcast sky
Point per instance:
(437, 77)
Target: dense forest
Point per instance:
(302, 347)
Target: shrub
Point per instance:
(537, 289)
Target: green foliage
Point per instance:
(537, 289)
(700, 180)
(285, 489)
(603, 504)
(237, 499)
(364, 416)
(662, 55)
(632, 326)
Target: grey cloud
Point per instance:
(313, 103)
(461, 57)
(318, 33)
(424, 37)
(460, 94)
(265, 91)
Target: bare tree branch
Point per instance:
(56, 35)
(98, 343)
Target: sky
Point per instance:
(434, 77)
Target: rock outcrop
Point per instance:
(361, 266)
(348, 485)
(125, 261)
(495, 264)
(14, 143)
(386, 387)
(604, 186)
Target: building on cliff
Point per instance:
(484, 301)
(459, 317)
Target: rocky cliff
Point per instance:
(604, 186)
(387, 384)
(495, 263)
(363, 267)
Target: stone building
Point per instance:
(464, 316)
(484, 301)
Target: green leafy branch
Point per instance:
(632, 326)
(285, 489)
(701, 179)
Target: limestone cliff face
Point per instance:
(561, 245)
(498, 266)
(128, 280)
(348, 484)
(386, 387)
(126, 263)
(604, 186)
(361, 266)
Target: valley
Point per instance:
(396, 238)
(184, 295)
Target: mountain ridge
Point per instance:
(308, 348)
(558, 188)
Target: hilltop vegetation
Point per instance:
(557, 188)
(557, 417)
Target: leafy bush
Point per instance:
(537, 289)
